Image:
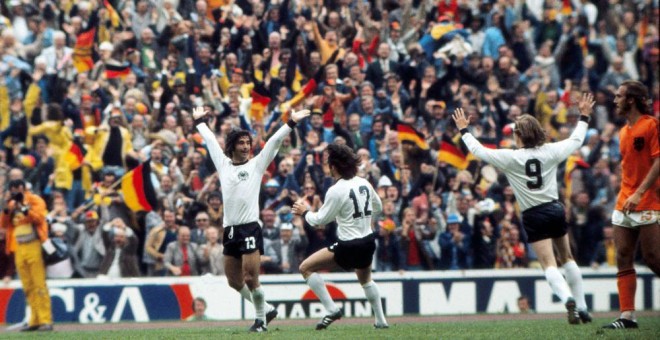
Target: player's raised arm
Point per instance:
(270, 149)
(565, 148)
(499, 158)
(199, 114)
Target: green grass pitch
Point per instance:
(507, 329)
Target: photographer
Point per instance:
(24, 217)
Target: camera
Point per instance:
(18, 197)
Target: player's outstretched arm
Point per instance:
(326, 214)
(499, 158)
(269, 152)
(565, 148)
(199, 114)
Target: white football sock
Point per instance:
(574, 280)
(315, 282)
(247, 295)
(558, 284)
(259, 303)
(373, 295)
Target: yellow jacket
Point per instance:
(60, 139)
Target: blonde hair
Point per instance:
(530, 131)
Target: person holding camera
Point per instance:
(24, 218)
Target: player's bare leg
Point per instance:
(236, 280)
(650, 239)
(573, 275)
(544, 251)
(322, 259)
(373, 295)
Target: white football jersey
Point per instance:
(241, 184)
(353, 203)
(531, 172)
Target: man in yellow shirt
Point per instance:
(24, 217)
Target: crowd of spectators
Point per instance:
(375, 62)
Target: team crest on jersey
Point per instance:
(638, 143)
(243, 175)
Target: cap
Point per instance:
(272, 183)
(384, 181)
(86, 98)
(91, 215)
(395, 26)
(286, 226)
(317, 111)
(453, 218)
(106, 46)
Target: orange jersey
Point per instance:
(639, 148)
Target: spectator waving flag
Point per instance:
(452, 154)
(407, 133)
(139, 193)
(82, 51)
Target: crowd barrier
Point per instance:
(419, 293)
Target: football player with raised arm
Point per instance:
(240, 179)
(353, 203)
(532, 172)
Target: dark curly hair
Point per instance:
(640, 94)
(343, 159)
(233, 138)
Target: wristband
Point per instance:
(291, 123)
(201, 120)
(584, 118)
(303, 214)
(464, 131)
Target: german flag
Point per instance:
(566, 8)
(407, 133)
(452, 154)
(139, 193)
(308, 89)
(117, 71)
(112, 13)
(260, 100)
(82, 52)
(75, 155)
(573, 162)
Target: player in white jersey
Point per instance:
(240, 179)
(532, 172)
(353, 203)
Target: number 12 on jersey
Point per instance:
(363, 191)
